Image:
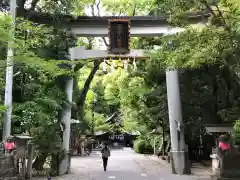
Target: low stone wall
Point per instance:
(7, 168)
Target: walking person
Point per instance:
(105, 154)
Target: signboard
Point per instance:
(116, 137)
(119, 36)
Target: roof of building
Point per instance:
(133, 133)
(99, 133)
(215, 128)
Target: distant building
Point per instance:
(115, 136)
(122, 139)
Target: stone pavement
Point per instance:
(123, 165)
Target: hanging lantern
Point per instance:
(119, 36)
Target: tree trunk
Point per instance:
(163, 137)
(214, 83)
(39, 162)
(81, 102)
(227, 76)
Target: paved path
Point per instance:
(123, 165)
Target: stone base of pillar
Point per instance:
(64, 166)
(180, 162)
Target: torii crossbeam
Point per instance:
(94, 26)
(81, 53)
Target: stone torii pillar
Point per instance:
(64, 165)
(81, 53)
(179, 155)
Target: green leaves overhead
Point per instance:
(127, 8)
(194, 48)
(5, 22)
(121, 88)
(29, 38)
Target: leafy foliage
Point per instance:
(143, 146)
(237, 132)
(38, 96)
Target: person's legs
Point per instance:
(104, 163)
(78, 150)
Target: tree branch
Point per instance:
(92, 9)
(16, 74)
(33, 4)
(134, 9)
(105, 41)
(81, 102)
(209, 8)
(21, 4)
(98, 13)
(120, 12)
(221, 15)
(98, 7)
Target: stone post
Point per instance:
(66, 121)
(82, 148)
(82, 144)
(179, 158)
(29, 162)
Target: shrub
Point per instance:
(139, 146)
(236, 134)
(142, 146)
(158, 141)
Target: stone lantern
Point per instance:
(82, 143)
(22, 145)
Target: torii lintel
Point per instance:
(81, 53)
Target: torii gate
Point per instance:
(140, 26)
(179, 155)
